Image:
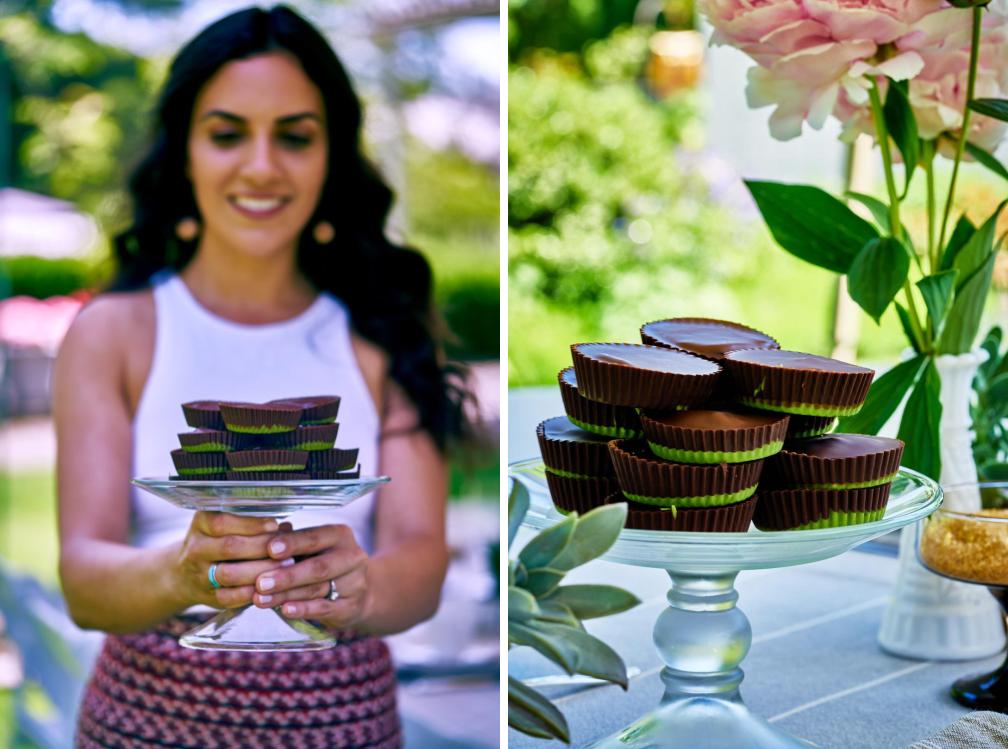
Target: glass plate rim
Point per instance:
(145, 481)
(930, 503)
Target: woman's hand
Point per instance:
(326, 552)
(237, 545)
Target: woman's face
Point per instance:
(257, 155)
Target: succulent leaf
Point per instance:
(595, 658)
(531, 713)
(591, 601)
(557, 613)
(521, 604)
(518, 504)
(552, 646)
(595, 532)
(548, 545)
(543, 581)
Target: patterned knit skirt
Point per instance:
(147, 691)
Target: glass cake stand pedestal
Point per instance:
(251, 628)
(702, 636)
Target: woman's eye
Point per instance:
(225, 138)
(294, 140)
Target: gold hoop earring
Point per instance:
(324, 233)
(187, 229)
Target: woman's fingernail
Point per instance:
(270, 525)
(290, 610)
(265, 598)
(287, 562)
(278, 547)
(266, 583)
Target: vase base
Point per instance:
(701, 723)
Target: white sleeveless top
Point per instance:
(200, 356)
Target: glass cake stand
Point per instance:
(251, 628)
(703, 636)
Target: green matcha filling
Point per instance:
(271, 429)
(568, 474)
(313, 446)
(839, 519)
(207, 447)
(700, 456)
(200, 471)
(607, 431)
(802, 409)
(318, 422)
(275, 467)
(711, 500)
(855, 485)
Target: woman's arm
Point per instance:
(400, 584)
(109, 585)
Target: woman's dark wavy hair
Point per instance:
(386, 288)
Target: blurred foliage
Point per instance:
(453, 208)
(76, 105)
(607, 228)
(564, 25)
(989, 413)
(45, 277)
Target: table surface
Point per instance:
(814, 670)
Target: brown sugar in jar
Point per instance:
(968, 547)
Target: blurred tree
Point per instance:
(607, 227)
(563, 25)
(74, 105)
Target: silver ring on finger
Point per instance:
(333, 593)
(212, 576)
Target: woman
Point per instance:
(255, 268)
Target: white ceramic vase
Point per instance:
(929, 616)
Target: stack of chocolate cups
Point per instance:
(287, 439)
(698, 412)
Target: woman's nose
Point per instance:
(262, 159)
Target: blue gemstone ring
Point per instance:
(212, 575)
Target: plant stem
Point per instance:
(961, 143)
(895, 227)
(932, 252)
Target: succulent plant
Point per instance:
(546, 615)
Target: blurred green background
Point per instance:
(626, 149)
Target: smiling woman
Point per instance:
(256, 267)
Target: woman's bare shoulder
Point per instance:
(110, 324)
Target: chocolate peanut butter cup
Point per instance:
(579, 494)
(199, 465)
(267, 460)
(336, 475)
(203, 414)
(708, 436)
(213, 441)
(332, 460)
(595, 417)
(649, 480)
(316, 409)
(806, 509)
(797, 383)
(260, 418)
(314, 437)
(804, 427)
(837, 461)
(573, 452)
(733, 518)
(702, 336)
(629, 374)
(268, 476)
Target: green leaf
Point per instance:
(937, 291)
(995, 472)
(557, 613)
(962, 233)
(902, 126)
(919, 427)
(987, 160)
(975, 263)
(904, 318)
(533, 714)
(543, 580)
(992, 345)
(812, 224)
(595, 658)
(548, 544)
(884, 398)
(596, 531)
(997, 391)
(561, 652)
(877, 274)
(590, 601)
(518, 504)
(521, 604)
(996, 108)
(879, 210)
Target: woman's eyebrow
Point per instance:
(285, 120)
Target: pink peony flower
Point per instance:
(881, 21)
